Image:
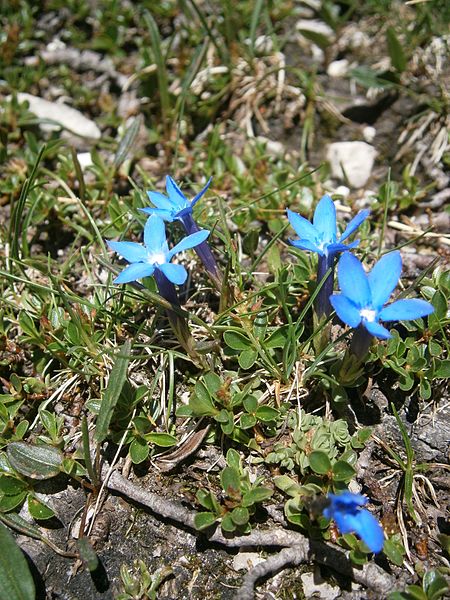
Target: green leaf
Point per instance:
(165, 440)
(16, 582)
(395, 50)
(87, 554)
(208, 500)
(230, 481)
(36, 462)
(8, 503)
(240, 515)
(139, 450)
(236, 341)
(440, 304)
(250, 404)
(212, 382)
(111, 395)
(234, 459)
(287, 485)
(258, 494)
(39, 510)
(277, 339)
(394, 551)
(247, 358)
(126, 143)
(342, 471)
(247, 421)
(267, 413)
(319, 462)
(443, 370)
(319, 39)
(11, 486)
(227, 523)
(200, 401)
(434, 585)
(202, 520)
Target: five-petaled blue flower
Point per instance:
(175, 205)
(364, 295)
(155, 253)
(345, 509)
(321, 235)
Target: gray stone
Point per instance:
(63, 116)
(351, 162)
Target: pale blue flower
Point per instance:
(346, 510)
(321, 235)
(363, 296)
(154, 255)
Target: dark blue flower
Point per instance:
(346, 510)
(321, 235)
(175, 205)
(364, 295)
(154, 255)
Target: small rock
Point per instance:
(351, 162)
(343, 191)
(273, 148)
(67, 117)
(314, 586)
(246, 561)
(85, 160)
(369, 133)
(338, 68)
(315, 26)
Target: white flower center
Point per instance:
(156, 258)
(368, 314)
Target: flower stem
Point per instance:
(360, 344)
(177, 322)
(203, 250)
(322, 303)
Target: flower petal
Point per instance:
(131, 251)
(353, 280)
(376, 329)
(306, 245)
(406, 310)
(354, 224)
(384, 277)
(347, 498)
(155, 234)
(325, 219)
(200, 194)
(166, 215)
(338, 247)
(189, 241)
(160, 200)
(369, 530)
(174, 273)
(177, 199)
(133, 272)
(345, 310)
(303, 228)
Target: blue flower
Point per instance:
(154, 255)
(345, 509)
(321, 235)
(175, 205)
(364, 295)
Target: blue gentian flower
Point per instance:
(345, 509)
(176, 207)
(320, 236)
(154, 256)
(363, 296)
